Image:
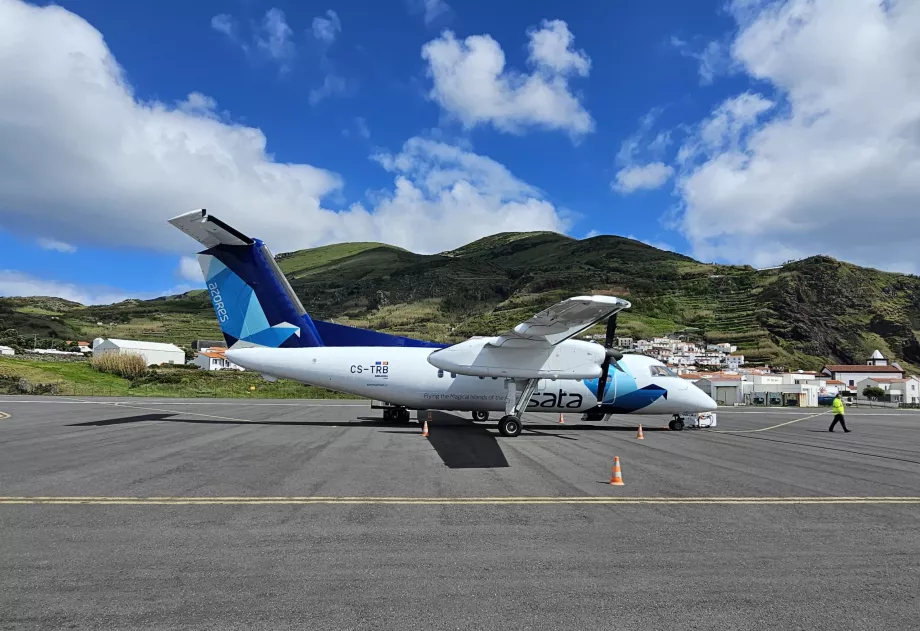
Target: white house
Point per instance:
(214, 359)
(154, 353)
(852, 374)
(901, 390)
(733, 362)
(6, 350)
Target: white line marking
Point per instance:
(763, 429)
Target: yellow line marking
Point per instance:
(171, 501)
(764, 429)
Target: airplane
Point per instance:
(535, 366)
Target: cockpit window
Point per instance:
(661, 371)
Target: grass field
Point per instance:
(80, 379)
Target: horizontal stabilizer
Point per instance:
(209, 231)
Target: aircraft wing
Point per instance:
(562, 321)
(532, 350)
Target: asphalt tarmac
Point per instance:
(210, 514)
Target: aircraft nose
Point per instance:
(702, 401)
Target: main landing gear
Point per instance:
(677, 423)
(480, 416)
(510, 423)
(396, 415)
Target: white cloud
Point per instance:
(326, 29)
(649, 172)
(224, 23)
(645, 177)
(54, 244)
(470, 81)
(431, 10)
(332, 85)
(713, 58)
(834, 167)
(363, 130)
(271, 38)
(446, 196)
(14, 283)
(122, 167)
(275, 36)
(189, 269)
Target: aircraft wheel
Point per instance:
(388, 414)
(677, 425)
(404, 415)
(509, 426)
(480, 416)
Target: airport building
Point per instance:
(154, 353)
(6, 350)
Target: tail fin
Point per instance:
(252, 299)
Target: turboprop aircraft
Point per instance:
(535, 366)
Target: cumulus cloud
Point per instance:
(471, 83)
(54, 244)
(326, 29)
(829, 162)
(121, 167)
(647, 177)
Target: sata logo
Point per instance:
(558, 399)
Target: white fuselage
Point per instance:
(402, 376)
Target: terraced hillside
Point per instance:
(800, 316)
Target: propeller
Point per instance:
(611, 355)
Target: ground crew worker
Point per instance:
(838, 414)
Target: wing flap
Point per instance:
(562, 321)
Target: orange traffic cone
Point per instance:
(639, 435)
(425, 428)
(617, 478)
(561, 418)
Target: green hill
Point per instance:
(800, 315)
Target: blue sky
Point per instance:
(667, 121)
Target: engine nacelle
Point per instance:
(571, 359)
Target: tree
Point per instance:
(873, 392)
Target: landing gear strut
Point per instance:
(510, 423)
(480, 416)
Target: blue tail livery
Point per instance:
(254, 303)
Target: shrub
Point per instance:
(127, 365)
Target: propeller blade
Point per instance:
(602, 380)
(611, 331)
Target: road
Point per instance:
(316, 514)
